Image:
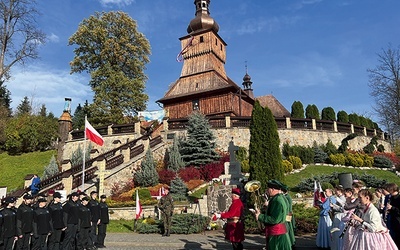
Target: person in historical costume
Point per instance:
(166, 206)
(234, 228)
(104, 220)
(370, 233)
(325, 221)
(338, 214)
(393, 212)
(274, 218)
(380, 200)
(290, 222)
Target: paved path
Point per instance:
(207, 240)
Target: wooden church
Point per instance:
(203, 84)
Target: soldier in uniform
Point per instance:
(84, 225)
(24, 223)
(42, 226)
(234, 230)
(95, 213)
(71, 219)
(104, 220)
(166, 207)
(56, 213)
(9, 223)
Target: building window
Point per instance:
(195, 105)
(201, 39)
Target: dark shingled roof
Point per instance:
(278, 110)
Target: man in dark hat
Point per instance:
(234, 229)
(25, 222)
(41, 224)
(9, 234)
(104, 220)
(166, 206)
(71, 219)
(85, 223)
(274, 218)
(56, 213)
(95, 213)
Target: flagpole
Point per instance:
(84, 158)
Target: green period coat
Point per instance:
(276, 214)
(290, 224)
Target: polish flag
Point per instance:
(92, 134)
(316, 195)
(138, 206)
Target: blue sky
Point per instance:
(313, 51)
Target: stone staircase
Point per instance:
(106, 165)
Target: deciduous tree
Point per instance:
(19, 35)
(111, 49)
(384, 82)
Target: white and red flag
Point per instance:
(92, 134)
(138, 206)
(316, 195)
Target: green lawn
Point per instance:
(293, 179)
(13, 169)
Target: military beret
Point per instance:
(103, 196)
(85, 198)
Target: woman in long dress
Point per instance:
(325, 221)
(370, 233)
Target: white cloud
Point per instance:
(53, 38)
(116, 2)
(49, 87)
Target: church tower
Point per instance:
(203, 84)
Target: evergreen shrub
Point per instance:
(382, 162)
(144, 194)
(319, 155)
(337, 159)
(296, 162)
(287, 166)
(354, 160)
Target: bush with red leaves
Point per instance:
(165, 176)
(391, 156)
(189, 173)
(212, 170)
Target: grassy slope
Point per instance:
(293, 179)
(13, 169)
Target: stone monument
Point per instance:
(233, 172)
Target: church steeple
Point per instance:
(247, 84)
(202, 21)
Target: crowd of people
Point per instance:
(43, 222)
(357, 218)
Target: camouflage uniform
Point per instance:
(166, 206)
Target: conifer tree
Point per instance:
(328, 114)
(199, 147)
(77, 155)
(51, 169)
(342, 116)
(312, 112)
(178, 188)
(175, 159)
(297, 110)
(264, 154)
(147, 176)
